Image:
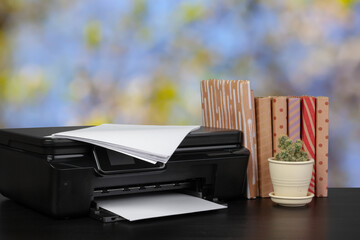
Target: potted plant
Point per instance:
(290, 169)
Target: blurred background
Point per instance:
(77, 62)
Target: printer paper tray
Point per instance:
(189, 187)
(149, 205)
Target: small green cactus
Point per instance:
(290, 151)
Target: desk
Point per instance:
(336, 217)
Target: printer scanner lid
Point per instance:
(36, 140)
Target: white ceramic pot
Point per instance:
(290, 179)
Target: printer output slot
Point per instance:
(190, 186)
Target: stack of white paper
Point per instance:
(151, 143)
(144, 206)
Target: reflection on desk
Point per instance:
(324, 218)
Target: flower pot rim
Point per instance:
(272, 160)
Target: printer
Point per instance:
(63, 178)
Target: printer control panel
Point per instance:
(111, 162)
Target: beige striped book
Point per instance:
(294, 117)
(228, 104)
(264, 143)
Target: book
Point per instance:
(228, 104)
(308, 133)
(264, 143)
(294, 118)
(254, 142)
(322, 146)
(279, 120)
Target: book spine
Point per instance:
(228, 104)
(308, 133)
(322, 146)
(264, 143)
(279, 120)
(247, 126)
(254, 142)
(294, 116)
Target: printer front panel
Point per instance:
(213, 174)
(30, 180)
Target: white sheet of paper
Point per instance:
(152, 143)
(152, 205)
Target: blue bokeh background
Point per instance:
(89, 62)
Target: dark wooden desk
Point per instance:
(336, 217)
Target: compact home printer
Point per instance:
(64, 178)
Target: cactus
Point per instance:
(290, 151)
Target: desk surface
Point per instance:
(335, 217)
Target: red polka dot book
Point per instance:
(322, 146)
(279, 120)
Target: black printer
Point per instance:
(63, 178)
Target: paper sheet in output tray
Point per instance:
(153, 205)
(152, 143)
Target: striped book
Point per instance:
(294, 115)
(264, 143)
(322, 145)
(228, 104)
(308, 132)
